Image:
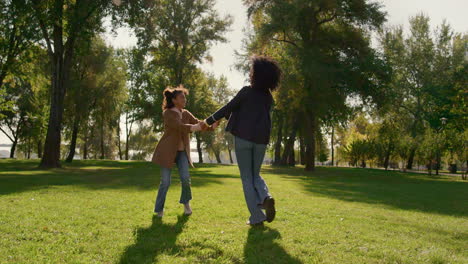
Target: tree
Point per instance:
(285, 130)
(26, 92)
(173, 37)
(110, 99)
(93, 59)
(18, 31)
(332, 49)
(424, 75)
(143, 141)
(210, 94)
(137, 76)
(179, 33)
(62, 23)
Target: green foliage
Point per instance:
(426, 81)
(143, 141)
(18, 32)
(24, 117)
(328, 44)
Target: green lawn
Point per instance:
(101, 212)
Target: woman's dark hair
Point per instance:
(265, 73)
(171, 93)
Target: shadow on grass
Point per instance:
(416, 192)
(261, 247)
(154, 240)
(23, 175)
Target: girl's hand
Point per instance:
(204, 126)
(216, 124)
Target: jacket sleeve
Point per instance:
(172, 122)
(227, 109)
(194, 120)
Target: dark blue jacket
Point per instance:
(249, 115)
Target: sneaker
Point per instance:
(187, 209)
(259, 224)
(270, 210)
(160, 214)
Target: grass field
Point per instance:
(101, 212)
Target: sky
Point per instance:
(399, 11)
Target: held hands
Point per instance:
(205, 127)
(216, 124)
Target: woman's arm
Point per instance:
(173, 122)
(226, 110)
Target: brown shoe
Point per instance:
(269, 205)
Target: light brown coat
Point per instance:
(175, 129)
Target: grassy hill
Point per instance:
(101, 212)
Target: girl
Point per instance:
(174, 146)
(250, 123)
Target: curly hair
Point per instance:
(171, 93)
(265, 73)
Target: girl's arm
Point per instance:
(198, 123)
(173, 122)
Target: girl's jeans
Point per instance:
(186, 195)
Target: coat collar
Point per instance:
(175, 109)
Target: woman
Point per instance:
(174, 146)
(250, 123)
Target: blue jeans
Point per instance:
(249, 159)
(186, 194)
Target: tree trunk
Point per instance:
(71, 153)
(438, 161)
(387, 155)
(29, 148)
(409, 164)
(86, 139)
(119, 143)
(102, 137)
(199, 148)
(289, 146)
(61, 69)
(291, 158)
(302, 149)
(13, 147)
(333, 146)
(51, 157)
(429, 169)
(309, 136)
(61, 57)
(85, 147)
(127, 147)
(109, 140)
(218, 156)
(39, 148)
(279, 138)
(128, 131)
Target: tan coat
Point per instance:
(175, 128)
